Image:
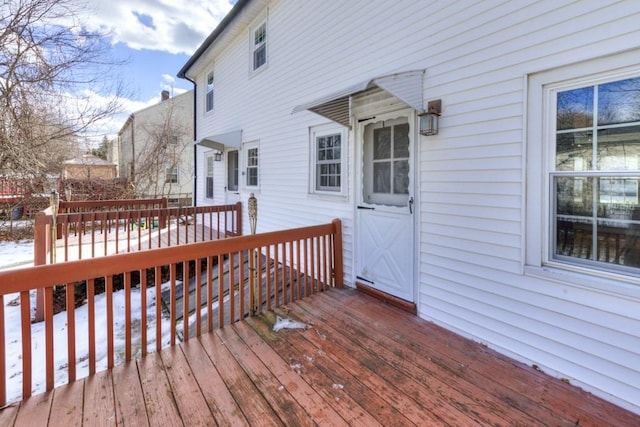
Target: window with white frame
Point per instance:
(209, 93)
(251, 165)
(171, 175)
(259, 51)
(208, 191)
(328, 159)
(594, 173)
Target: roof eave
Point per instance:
(210, 40)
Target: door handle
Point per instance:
(366, 208)
(411, 205)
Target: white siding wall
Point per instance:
(471, 183)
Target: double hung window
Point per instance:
(209, 93)
(594, 175)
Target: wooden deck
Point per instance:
(362, 362)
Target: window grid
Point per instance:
(209, 178)
(209, 96)
(252, 167)
(260, 46)
(594, 185)
(328, 163)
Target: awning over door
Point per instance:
(406, 86)
(219, 142)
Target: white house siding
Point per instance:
(472, 188)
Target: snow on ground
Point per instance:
(16, 254)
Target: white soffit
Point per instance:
(219, 142)
(406, 86)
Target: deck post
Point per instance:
(41, 236)
(238, 231)
(338, 266)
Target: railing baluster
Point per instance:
(25, 316)
(71, 330)
(91, 324)
(3, 358)
(198, 299)
(232, 289)
(173, 303)
(276, 275)
(127, 316)
(220, 291)
(291, 282)
(185, 300)
(109, 309)
(48, 339)
(268, 275)
(242, 278)
(158, 280)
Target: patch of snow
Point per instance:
(16, 254)
(282, 323)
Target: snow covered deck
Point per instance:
(360, 362)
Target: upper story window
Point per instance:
(594, 175)
(328, 160)
(171, 175)
(260, 46)
(209, 95)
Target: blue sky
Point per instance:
(156, 38)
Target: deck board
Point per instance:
(361, 362)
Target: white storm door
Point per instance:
(385, 224)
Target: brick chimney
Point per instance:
(164, 95)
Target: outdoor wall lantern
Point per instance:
(429, 119)
(218, 156)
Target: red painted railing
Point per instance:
(231, 278)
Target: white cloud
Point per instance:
(163, 25)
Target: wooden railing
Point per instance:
(103, 232)
(111, 205)
(231, 278)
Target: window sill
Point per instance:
(601, 281)
(330, 197)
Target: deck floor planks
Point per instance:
(530, 389)
(372, 374)
(392, 368)
(99, 405)
(464, 396)
(464, 361)
(316, 406)
(159, 399)
(282, 402)
(35, 410)
(450, 398)
(420, 397)
(326, 377)
(186, 392)
(221, 403)
(67, 405)
(128, 397)
(249, 399)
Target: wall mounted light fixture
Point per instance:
(429, 119)
(217, 156)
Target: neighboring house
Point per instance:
(513, 225)
(155, 150)
(88, 167)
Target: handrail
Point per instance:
(236, 277)
(117, 204)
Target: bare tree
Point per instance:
(50, 65)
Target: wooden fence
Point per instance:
(282, 266)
